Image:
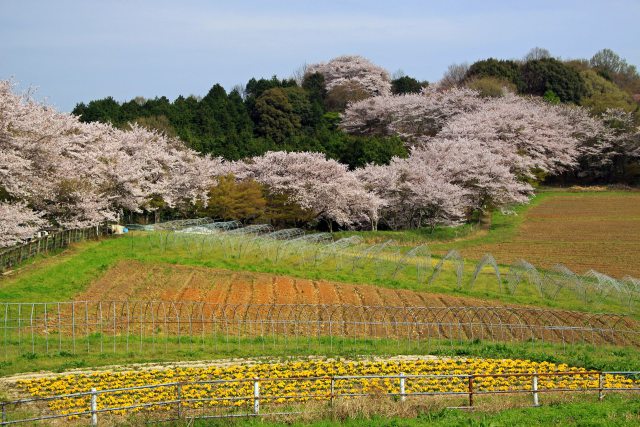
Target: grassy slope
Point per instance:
(605, 358)
(62, 276)
(613, 411)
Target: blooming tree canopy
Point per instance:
(410, 116)
(17, 223)
(353, 70)
(80, 174)
(323, 186)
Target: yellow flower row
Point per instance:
(283, 387)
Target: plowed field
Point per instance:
(295, 303)
(132, 280)
(591, 231)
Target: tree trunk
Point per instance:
(484, 220)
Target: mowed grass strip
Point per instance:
(615, 410)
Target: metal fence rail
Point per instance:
(206, 399)
(153, 326)
(15, 255)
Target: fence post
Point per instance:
(332, 388)
(471, 391)
(600, 386)
(534, 387)
(94, 407)
(256, 396)
(4, 412)
(179, 398)
(402, 384)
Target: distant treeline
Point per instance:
(266, 115)
(303, 114)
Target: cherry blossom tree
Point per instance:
(486, 177)
(442, 182)
(532, 134)
(17, 223)
(352, 70)
(608, 148)
(323, 186)
(410, 116)
(413, 196)
(81, 174)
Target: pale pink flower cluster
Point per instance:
(79, 174)
(353, 70)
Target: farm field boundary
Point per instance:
(10, 257)
(103, 327)
(190, 400)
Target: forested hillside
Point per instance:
(343, 146)
(303, 113)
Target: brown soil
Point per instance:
(600, 232)
(243, 290)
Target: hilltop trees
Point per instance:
(548, 74)
(611, 66)
(603, 94)
(502, 69)
(566, 81)
(356, 71)
(405, 84)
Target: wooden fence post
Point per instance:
(600, 386)
(179, 398)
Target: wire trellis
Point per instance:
(153, 326)
(388, 260)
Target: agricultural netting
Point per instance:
(97, 327)
(352, 259)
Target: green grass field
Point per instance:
(614, 411)
(18, 359)
(65, 275)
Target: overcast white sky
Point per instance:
(74, 50)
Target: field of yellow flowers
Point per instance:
(289, 382)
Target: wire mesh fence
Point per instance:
(227, 398)
(160, 326)
(15, 255)
(389, 260)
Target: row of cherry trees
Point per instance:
(468, 154)
(473, 153)
(56, 170)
